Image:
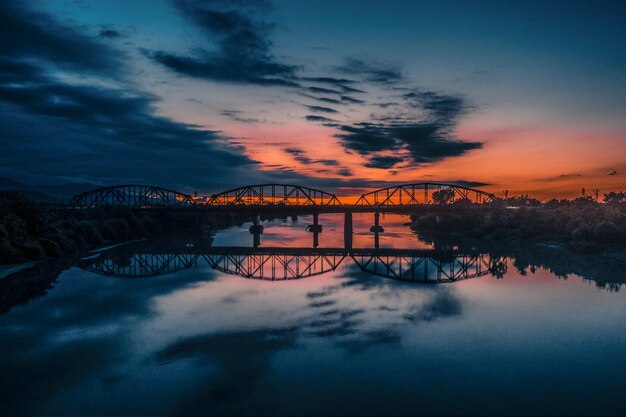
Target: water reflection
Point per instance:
(274, 264)
(196, 340)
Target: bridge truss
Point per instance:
(140, 265)
(426, 269)
(273, 195)
(278, 264)
(423, 193)
(274, 266)
(137, 196)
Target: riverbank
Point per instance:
(580, 226)
(31, 231)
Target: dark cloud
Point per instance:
(444, 304)
(25, 34)
(327, 100)
(242, 45)
(321, 109)
(314, 118)
(352, 100)
(345, 172)
(383, 161)
(320, 90)
(243, 360)
(238, 116)
(110, 34)
(329, 80)
(59, 127)
(423, 129)
(425, 142)
(342, 84)
(441, 108)
(300, 156)
(373, 71)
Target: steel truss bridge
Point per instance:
(136, 196)
(278, 264)
(282, 196)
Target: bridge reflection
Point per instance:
(277, 264)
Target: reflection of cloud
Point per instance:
(443, 304)
(242, 359)
(43, 355)
(351, 329)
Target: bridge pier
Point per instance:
(316, 229)
(256, 230)
(377, 229)
(347, 231)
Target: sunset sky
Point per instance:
(212, 94)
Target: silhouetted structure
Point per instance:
(266, 196)
(274, 264)
(136, 196)
(422, 193)
(273, 195)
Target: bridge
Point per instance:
(265, 197)
(279, 264)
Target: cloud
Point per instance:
(242, 45)
(370, 70)
(110, 34)
(441, 108)
(242, 359)
(238, 116)
(320, 90)
(352, 100)
(345, 172)
(314, 118)
(28, 35)
(322, 99)
(300, 156)
(321, 109)
(383, 161)
(424, 142)
(419, 131)
(60, 126)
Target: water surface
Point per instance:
(209, 325)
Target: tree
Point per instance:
(445, 196)
(614, 197)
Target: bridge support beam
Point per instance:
(377, 229)
(256, 230)
(316, 229)
(347, 231)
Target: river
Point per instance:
(315, 324)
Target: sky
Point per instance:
(207, 95)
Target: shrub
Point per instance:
(32, 251)
(50, 248)
(606, 232)
(88, 231)
(582, 232)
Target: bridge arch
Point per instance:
(422, 193)
(274, 195)
(137, 196)
(426, 268)
(274, 266)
